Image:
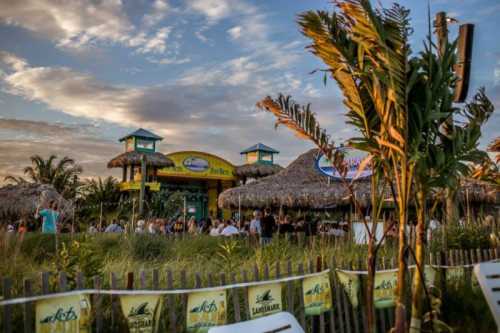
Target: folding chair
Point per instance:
(281, 322)
(488, 276)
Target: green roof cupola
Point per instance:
(141, 140)
(259, 153)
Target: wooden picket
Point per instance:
(342, 318)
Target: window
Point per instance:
(144, 144)
(252, 157)
(267, 157)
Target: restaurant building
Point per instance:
(201, 175)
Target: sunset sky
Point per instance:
(77, 75)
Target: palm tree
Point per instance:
(62, 174)
(97, 193)
(366, 52)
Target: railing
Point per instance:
(107, 316)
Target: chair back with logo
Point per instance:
(488, 276)
(281, 322)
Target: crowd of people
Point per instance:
(262, 224)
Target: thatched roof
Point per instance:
(299, 185)
(479, 191)
(22, 199)
(494, 146)
(134, 158)
(257, 170)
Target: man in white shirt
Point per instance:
(229, 229)
(255, 228)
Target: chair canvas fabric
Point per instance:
(282, 322)
(488, 276)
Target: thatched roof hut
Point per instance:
(477, 191)
(299, 185)
(22, 199)
(257, 170)
(133, 158)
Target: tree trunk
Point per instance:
(370, 279)
(417, 293)
(372, 256)
(400, 322)
(451, 207)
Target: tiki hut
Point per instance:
(300, 185)
(494, 147)
(257, 170)
(133, 158)
(478, 191)
(22, 200)
(138, 144)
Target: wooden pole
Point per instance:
(184, 214)
(100, 219)
(239, 210)
(133, 215)
(143, 184)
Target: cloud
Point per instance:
(216, 113)
(159, 11)
(27, 138)
(156, 44)
(214, 10)
(69, 23)
(169, 61)
(235, 32)
(79, 24)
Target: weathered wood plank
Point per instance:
(98, 305)
(7, 309)
(236, 299)
(28, 309)
(171, 303)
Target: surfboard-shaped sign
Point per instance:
(325, 167)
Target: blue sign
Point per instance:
(326, 167)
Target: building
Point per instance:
(202, 176)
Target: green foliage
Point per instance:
(147, 247)
(462, 237)
(76, 256)
(431, 321)
(62, 174)
(166, 204)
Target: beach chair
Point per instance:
(281, 322)
(488, 276)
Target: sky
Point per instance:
(77, 75)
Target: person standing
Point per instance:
(50, 216)
(268, 227)
(255, 226)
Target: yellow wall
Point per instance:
(194, 164)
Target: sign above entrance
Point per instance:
(325, 167)
(196, 164)
(199, 165)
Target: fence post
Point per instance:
(183, 286)
(97, 302)
(114, 302)
(338, 303)
(28, 307)
(289, 288)
(236, 299)
(302, 312)
(171, 303)
(244, 276)
(7, 309)
(63, 282)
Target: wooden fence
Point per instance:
(107, 317)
